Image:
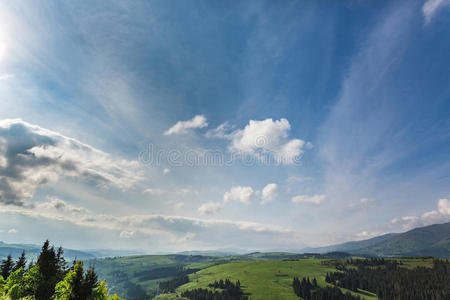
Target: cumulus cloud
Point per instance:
(210, 208)
(430, 7)
(166, 171)
(31, 156)
(441, 215)
(12, 231)
(444, 207)
(315, 199)
(241, 194)
(406, 222)
(199, 121)
(266, 140)
(269, 193)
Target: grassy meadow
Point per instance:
(268, 279)
(262, 275)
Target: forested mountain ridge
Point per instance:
(432, 240)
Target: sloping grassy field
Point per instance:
(269, 279)
(262, 275)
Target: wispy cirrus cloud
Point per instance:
(174, 230)
(430, 8)
(269, 193)
(314, 199)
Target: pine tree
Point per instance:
(48, 267)
(21, 262)
(6, 266)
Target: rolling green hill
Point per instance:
(267, 279)
(433, 240)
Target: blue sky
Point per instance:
(259, 125)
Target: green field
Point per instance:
(262, 275)
(120, 270)
(138, 269)
(268, 279)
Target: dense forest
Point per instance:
(50, 278)
(170, 285)
(308, 290)
(228, 291)
(390, 281)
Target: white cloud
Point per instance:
(293, 179)
(221, 131)
(367, 235)
(361, 202)
(430, 7)
(31, 156)
(154, 191)
(269, 193)
(166, 171)
(406, 222)
(12, 231)
(166, 229)
(170, 192)
(441, 215)
(444, 207)
(210, 208)
(125, 234)
(315, 199)
(242, 194)
(199, 121)
(268, 139)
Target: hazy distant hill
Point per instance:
(350, 246)
(32, 251)
(433, 240)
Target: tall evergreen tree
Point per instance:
(48, 267)
(21, 262)
(6, 266)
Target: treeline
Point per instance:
(389, 281)
(50, 278)
(368, 262)
(309, 290)
(135, 291)
(304, 287)
(230, 291)
(164, 272)
(171, 285)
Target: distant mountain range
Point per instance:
(32, 252)
(433, 240)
